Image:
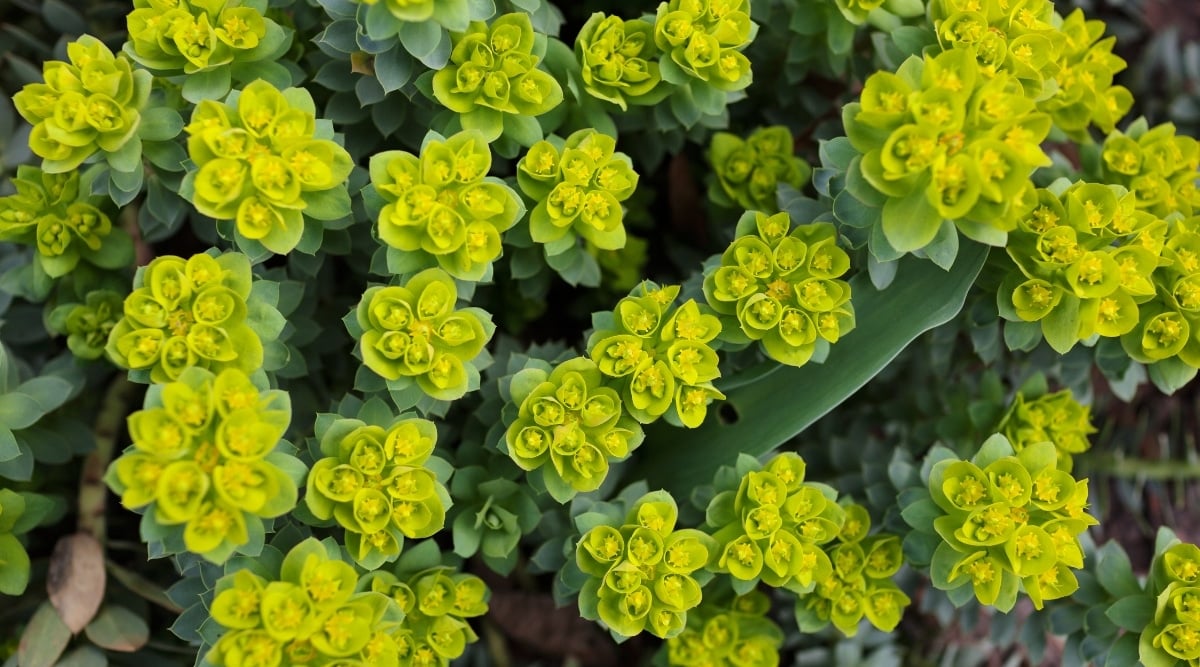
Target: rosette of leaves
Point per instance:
(492, 80)
(437, 599)
(1005, 521)
(207, 44)
(413, 337)
(781, 286)
(578, 184)
(660, 354)
(56, 214)
(642, 572)
(1058, 418)
(701, 43)
(88, 325)
(747, 173)
(492, 514)
(442, 209)
(769, 524)
(89, 106)
(730, 633)
(618, 61)
(571, 425)
(1171, 634)
(1085, 258)
(264, 162)
(379, 482)
(941, 143)
(860, 583)
(203, 312)
(307, 607)
(1155, 163)
(208, 464)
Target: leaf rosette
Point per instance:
(618, 61)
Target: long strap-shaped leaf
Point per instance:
(773, 406)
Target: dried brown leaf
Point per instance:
(75, 581)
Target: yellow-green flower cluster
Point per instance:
(1169, 326)
(88, 324)
(437, 603)
(1056, 418)
(173, 37)
(749, 171)
(442, 206)
(943, 140)
(376, 483)
(1173, 638)
(54, 214)
(187, 313)
(261, 159)
(90, 104)
(640, 573)
(1062, 63)
(661, 355)
(570, 425)
(492, 78)
(783, 286)
(310, 614)
(737, 634)
(1156, 164)
(14, 560)
(860, 583)
(618, 61)
(413, 333)
(1011, 520)
(205, 458)
(704, 39)
(772, 527)
(579, 185)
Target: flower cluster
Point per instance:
(1169, 326)
(579, 185)
(310, 613)
(88, 324)
(1158, 165)
(1009, 520)
(570, 425)
(640, 573)
(14, 560)
(437, 603)
(91, 104)
(376, 483)
(1056, 418)
(941, 139)
(704, 39)
(1173, 636)
(206, 456)
(264, 162)
(492, 80)
(412, 333)
(660, 353)
(56, 214)
(748, 172)
(736, 634)
(618, 61)
(441, 207)
(860, 583)
(187, 313)
(771, 527)
(782, 287)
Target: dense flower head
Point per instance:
(641, 572)
(749, 171)
(443, 207)
(413, 332)
(206, 459)
(376, 483)
(1169, 324)
(313, 613)
(773, 525)
(88, 105)
(54, 214)
(261, 158)
(1157, 164)
(1058, 418)
(618, 60)
(14, 565)
(737, 633)
(704, 39)
(437, 604)
(1011, 520)
(173, 37)
(1173, 636)
(493, 74)
(88, 324)
(578, 185)
(571, 425)
(944, 141)
(783, 286)
(660, 353)
(187, 313)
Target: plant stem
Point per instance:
(93, 494)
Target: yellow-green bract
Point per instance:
(736, 633)
(618, 61)
(703, 39)
(436, 603)
(1173, 636)
(1058, 418)
(749, 171)
(88, 324)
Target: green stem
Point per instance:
(93, 494)
(1144, 468)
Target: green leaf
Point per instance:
(118, 629)
(8, 445)
(14, 566)
(49, 391)
(910, 222)
(44, 639)
(1114, 571)
(1061, 326)
(209, 85)
(84, 656)
(766, 413)
(920, 515)
(160, 124)
(18, 411)
(1133, 613)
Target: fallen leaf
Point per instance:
(76, 579)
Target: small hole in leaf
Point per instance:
(727, 413)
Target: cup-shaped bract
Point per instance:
(87, 325)
(438, 604)
(618, 61)
(1057, 418)
(749, 171)
(730, 633)
(704, 41)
